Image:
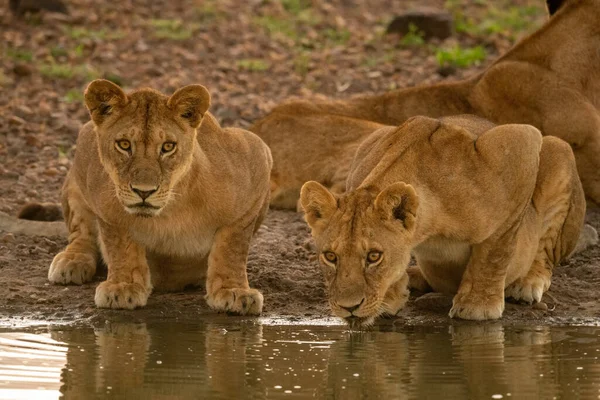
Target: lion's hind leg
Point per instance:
(77, 263)
(559, 202)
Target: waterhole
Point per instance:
(255, 359)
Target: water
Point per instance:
(253, 359)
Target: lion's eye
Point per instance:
(330, 256)
(373, 257)
(168, 147)
(124, 144)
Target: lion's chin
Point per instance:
(359, 323)
(143, 210)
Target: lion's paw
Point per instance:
(236, 301)
(121, 295)
(467, 306)
(69, 267)
(529, 289)
(396, 297)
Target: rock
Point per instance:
(51, 171)
(14, 120)
(7, 238)
(588, 237)
(23, 112)
(22, 70)
(430, 23)
(446, 70)
(540, 306)
(33, 141)
(154, 71)
(436, 302)
(33, 228)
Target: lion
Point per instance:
(487, 210)
(550, 80)
(165, 197)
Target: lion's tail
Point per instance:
(41, 212)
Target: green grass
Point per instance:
(337, 36)
(373, 61)
(295, 6)
(208, 12)
(499, 18)
(79, 32)
(173, 29)
(19, 54)
(73, 96)
(254, 65)
(68, 71)
(276, 26)
(460, 57)
(301, 64)
(414, 37)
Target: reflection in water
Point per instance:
(247, 360)
(30, 366)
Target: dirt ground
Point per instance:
(251, 55)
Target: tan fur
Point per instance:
(487, 211)
(550, 80)
(211, 194)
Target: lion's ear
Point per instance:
(190, 103)
(318, 204)
(101, 97)
(554, 5)
(398, 201)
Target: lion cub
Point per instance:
(486, 210)
(165, 197)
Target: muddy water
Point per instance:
(253, 359)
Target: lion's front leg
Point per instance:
(227, 285)
(481, 292)
(128, 282)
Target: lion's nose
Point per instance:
(352, 308)
(144, 192)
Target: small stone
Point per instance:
(22, 70)
(51, 171)
(23, 111)
(32, 193)
(446, 70)
(8, 238)
(14, 120)
(11, 174)
(33, 141)
(437, 302)
(540, 306)
(430, 23)
(154, 71)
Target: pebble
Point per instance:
(22, 70)
(14, 120)
(8, 238)
(51, 171)
(33, 141)
(23, 111)
(540, 306)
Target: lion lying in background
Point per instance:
(550, 80)
(165, 196)
(487, 211)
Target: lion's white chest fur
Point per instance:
(188, 238)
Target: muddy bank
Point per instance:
(282, 264)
